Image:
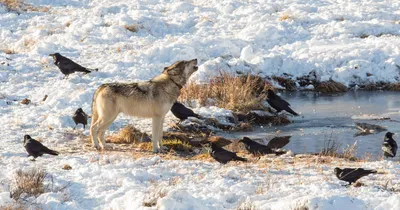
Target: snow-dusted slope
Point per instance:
(266, 37)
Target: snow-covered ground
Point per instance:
(262, 37)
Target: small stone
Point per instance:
(67, 167)
(25, 101)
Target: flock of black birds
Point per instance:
(221, 155)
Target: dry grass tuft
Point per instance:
(14, 206)
(219, 141)
(178, 145)
(231, 92)
(9, 51)
(205, 156)
(21, 5)
(153, 195)
(267, 119)
(285, 17)
(330, 87)
(132, 28)
(394, 87)
(243, 127)
(331, 146)
(28, 183)
(289, 84)
(246, 205)
(127, 135)
(332, 149)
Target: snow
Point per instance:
(340, 40)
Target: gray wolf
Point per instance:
(150, 99)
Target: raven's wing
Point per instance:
(67, 63)
(278, 142)
(387, 148)
(35, 147)
(355, 173)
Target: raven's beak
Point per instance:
(51, 54)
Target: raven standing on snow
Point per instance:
(35, 148)
(182, 112)
(389, 146)
(80, 117)
(223, 156)
(67, 66)
(352, 174)
(256, 148)
(278, 103)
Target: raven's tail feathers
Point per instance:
(52, 152)
(241, 159)
(292, 112)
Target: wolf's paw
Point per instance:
(106, 147)
(97, 147)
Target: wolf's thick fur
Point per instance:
(150, 99)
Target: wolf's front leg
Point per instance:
(156, 133)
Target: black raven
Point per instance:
(352, 174)
(80, 117)
(35, 148)
(256, 148)
(67, 66)
(278, 103)
(223, 156)
(389, 146)
(182, 112)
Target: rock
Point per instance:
(25, 101)
(67, 167)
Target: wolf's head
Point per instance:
(180, 71)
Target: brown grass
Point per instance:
(331, 146)
(21, 5)
(127, 135)
(28, 183)
(14, 206)
(285, 17)
(152, 197)
(9, 51)
(267, 119)
(230, 92)
(175, 145)
(178, 145)
(289, 84)
(394, 87)
(332, 149)
(330, 87)
(132, 28)
(246, 205)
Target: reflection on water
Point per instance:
(324, 115)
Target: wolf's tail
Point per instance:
(95, 115)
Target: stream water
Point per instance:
(333, 116)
